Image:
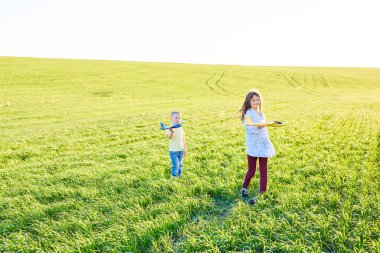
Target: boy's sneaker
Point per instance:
(244, 192)
(252, 201)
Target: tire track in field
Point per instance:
(324, 81)
(220, 78)
(318, 80)
(296, 84)
(207, 84)
(216, 86)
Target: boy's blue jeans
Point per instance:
(176, 159)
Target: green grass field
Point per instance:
(84, 167)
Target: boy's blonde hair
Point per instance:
(174, 112)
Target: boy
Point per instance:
(177, 145)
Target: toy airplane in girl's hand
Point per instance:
(163, 127)
(249, 122)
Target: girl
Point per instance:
(259, 147)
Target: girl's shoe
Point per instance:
(252, 201)
(244, 192)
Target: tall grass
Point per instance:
(84, 168)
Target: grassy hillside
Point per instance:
(84, 168)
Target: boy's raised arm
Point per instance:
(170, 133)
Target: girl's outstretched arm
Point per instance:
(265, 120)
(250, 129)
(184, 143)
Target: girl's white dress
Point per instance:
(256, 139)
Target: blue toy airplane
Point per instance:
(163, 127)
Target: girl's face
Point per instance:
(176, 118)
(255, 102)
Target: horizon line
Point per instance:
(190, 63)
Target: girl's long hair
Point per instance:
(247, 103)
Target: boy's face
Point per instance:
(176, 118)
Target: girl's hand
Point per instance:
(261, 126)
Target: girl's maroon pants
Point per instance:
(252, 161)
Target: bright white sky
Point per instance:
(243, 32)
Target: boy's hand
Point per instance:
(184, 153)
(171, 129)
